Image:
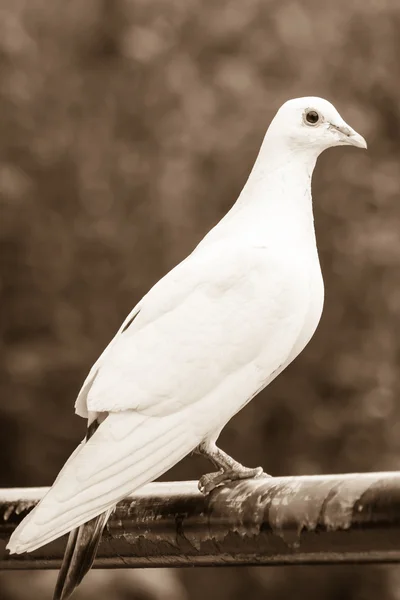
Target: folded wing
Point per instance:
(127, 451)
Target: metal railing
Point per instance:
(284, 520)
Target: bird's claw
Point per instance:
(210, 481)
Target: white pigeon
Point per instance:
(201, 344)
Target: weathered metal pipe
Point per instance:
(283, 520)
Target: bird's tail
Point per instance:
(79, 555)
(82, 545)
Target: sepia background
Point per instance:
(127, 129)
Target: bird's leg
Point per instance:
(228, 468)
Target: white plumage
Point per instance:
(207, 337)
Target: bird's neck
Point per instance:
(276, 200)
(287, 171)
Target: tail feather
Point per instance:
(63, 587)
(79, 556)
(82, 546)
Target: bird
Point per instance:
(202, 343)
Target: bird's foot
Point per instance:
(210, 481)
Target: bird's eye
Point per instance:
(312, 117)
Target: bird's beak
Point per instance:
(349, 136)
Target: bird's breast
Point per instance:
(291, 317)
(313, 311)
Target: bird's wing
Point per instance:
(204, 340)
(205, 320)
(80, 404)
(163, 296)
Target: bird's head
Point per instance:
(313, 123)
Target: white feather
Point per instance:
(127, 451)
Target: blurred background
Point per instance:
(127, 130)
